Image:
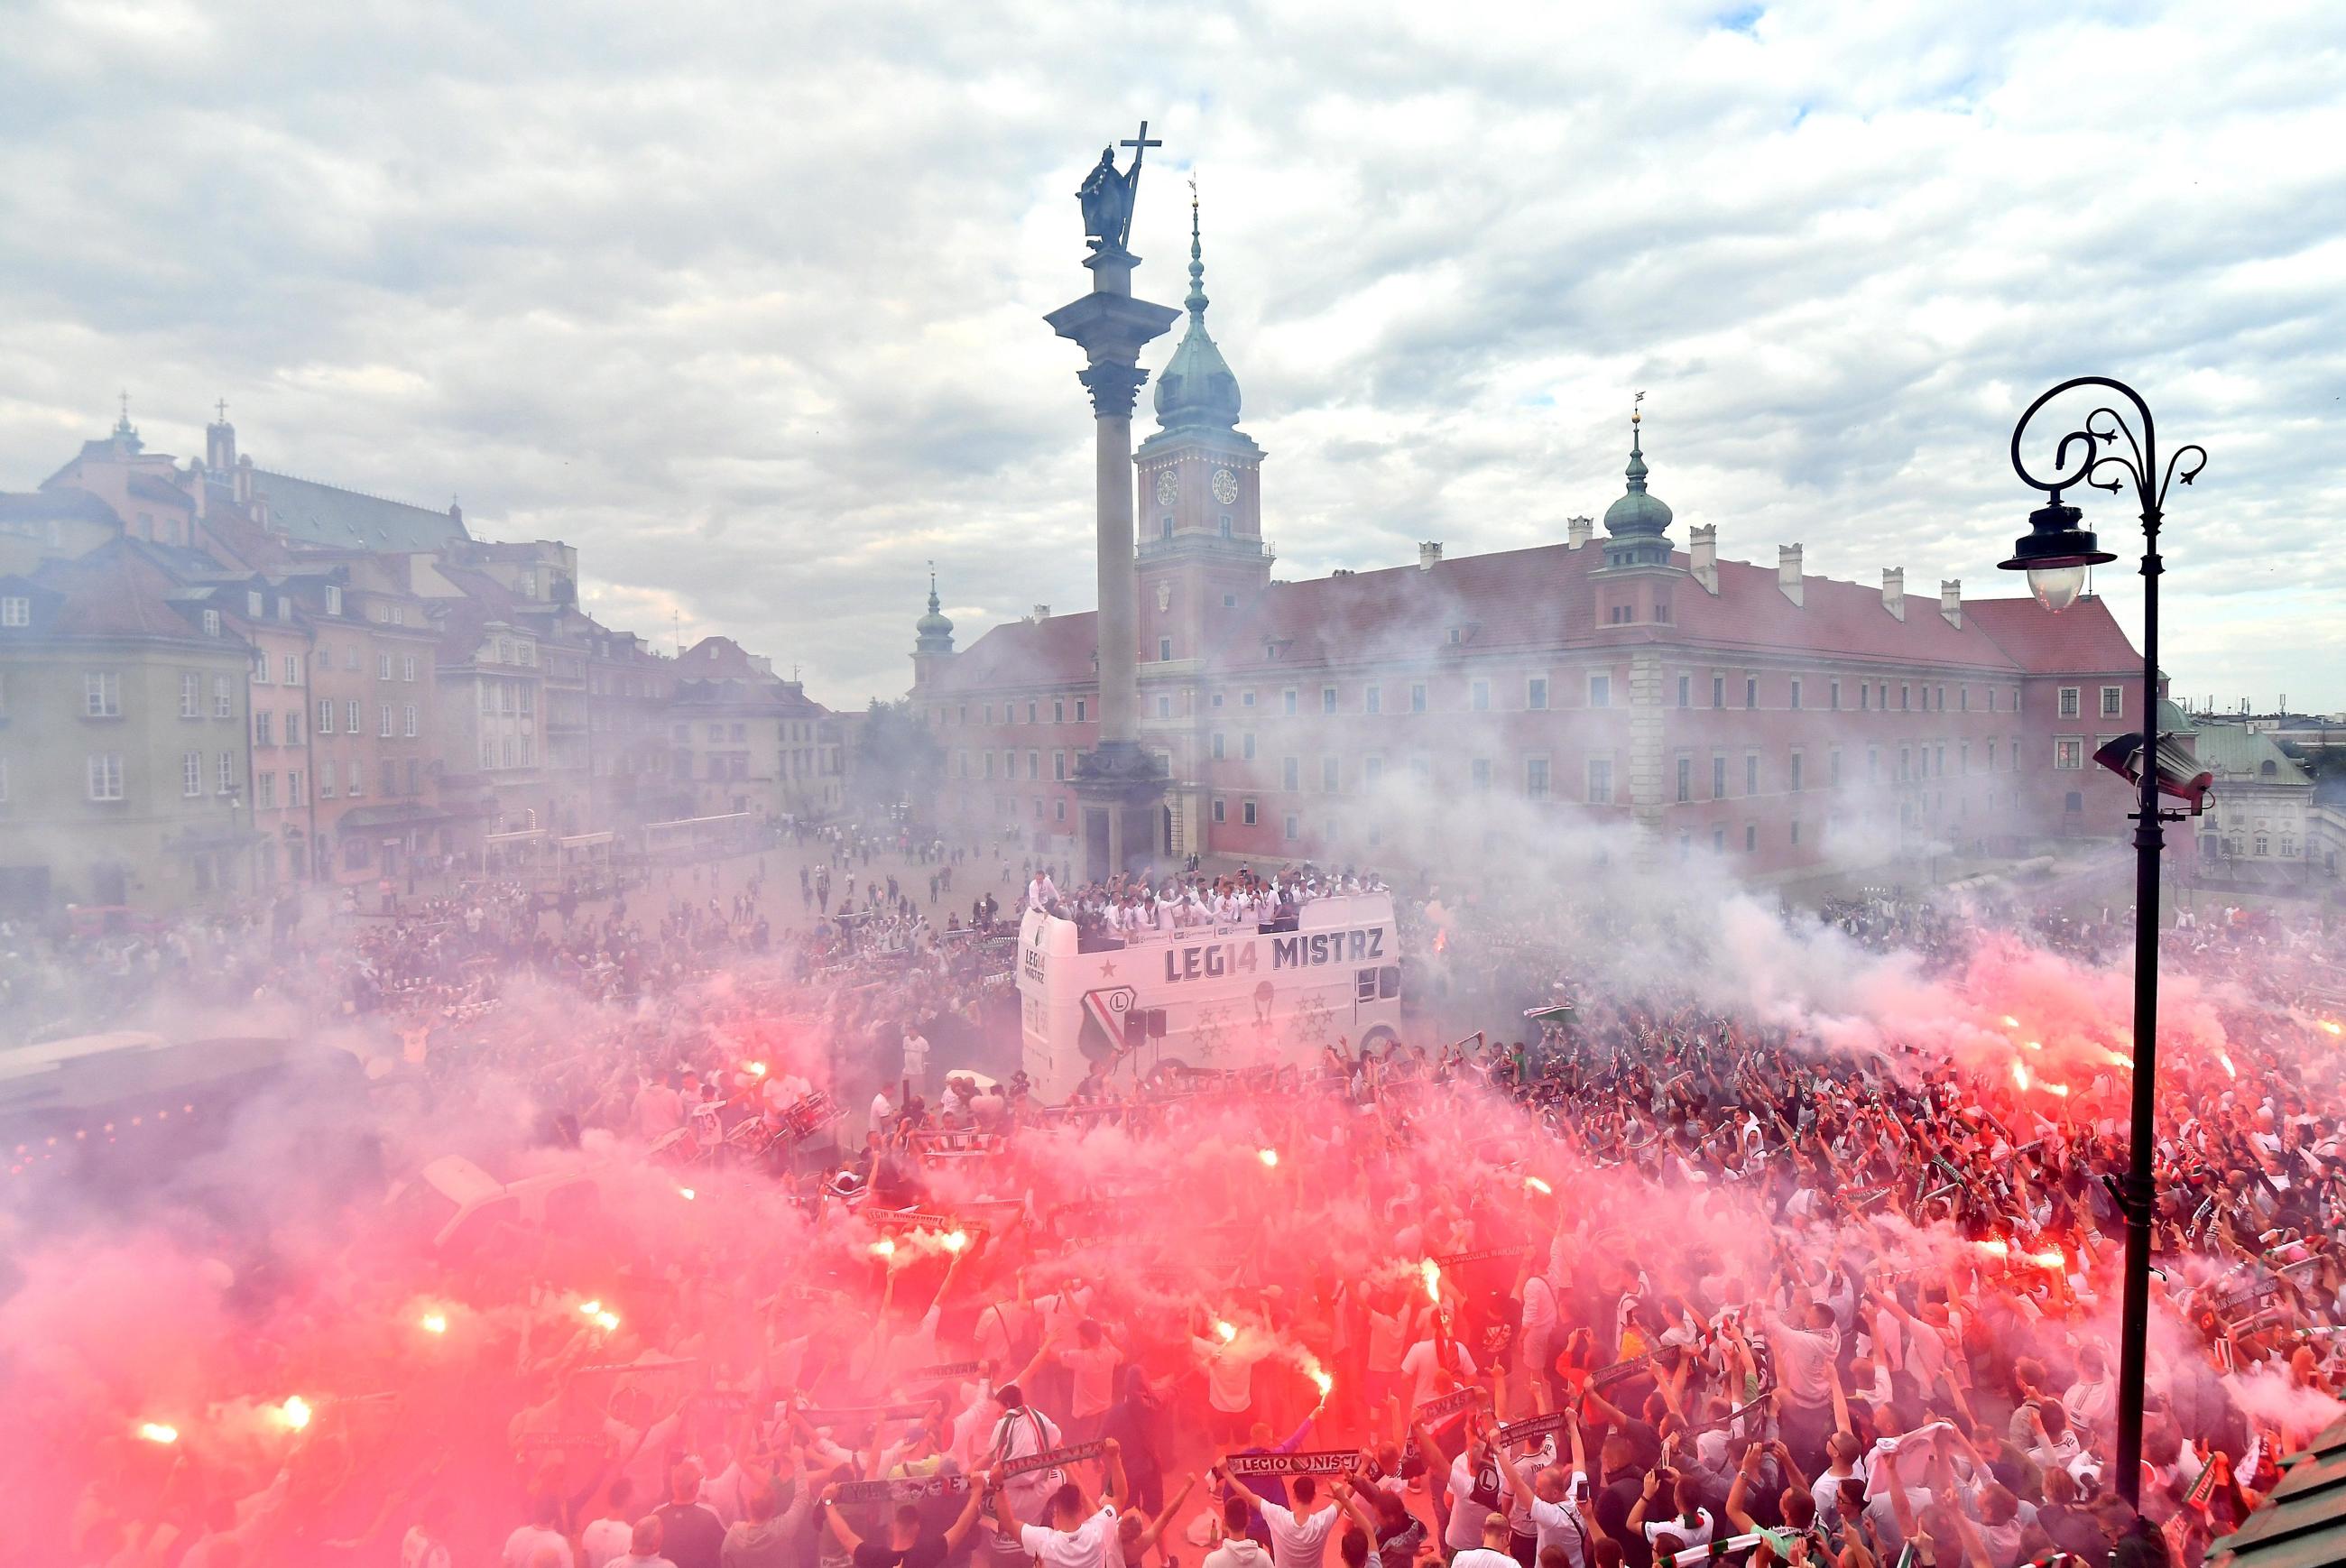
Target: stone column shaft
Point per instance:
(1120, 694)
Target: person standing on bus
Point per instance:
(916, 1059)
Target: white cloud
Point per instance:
(745, 302)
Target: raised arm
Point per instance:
(1350, 1501)
(1003, 1516)
(1116, 1486)
(958, 1531)
(1511, 1485)
(1155, 1530)
(1237, 1487)
(1902, 1507)
(1035, 1364)
(839, 1528)
(1737, 1514)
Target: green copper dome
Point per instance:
(1196, 389)
(1637, 512)
(934, 629)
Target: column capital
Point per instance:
(1114, 385)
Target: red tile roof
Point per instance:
(1058, 651)
(1541, 597)
(2083, 639)
(115, 592)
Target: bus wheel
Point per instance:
(1381, 1039)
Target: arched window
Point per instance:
(2268, 769)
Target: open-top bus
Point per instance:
(1233, 996)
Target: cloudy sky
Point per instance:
(744, 300)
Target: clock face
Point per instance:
(1167, 487)
(1226, 486)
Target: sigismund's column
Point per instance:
(1119, 788)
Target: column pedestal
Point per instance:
(1120, 792)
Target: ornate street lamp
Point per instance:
(2056, 554)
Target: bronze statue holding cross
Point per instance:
(1107, 195)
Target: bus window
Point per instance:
(1364, 986)
(1389, 981)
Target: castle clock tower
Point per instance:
(1200, 553)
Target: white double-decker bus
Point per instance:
(1207, 996)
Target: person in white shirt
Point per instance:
(540, 1534)
(1692, 1526)
(1075, 1537)
(1299, 1536)
(1021, 1432)
(1493, 1551)
(1238, 1549)
(644, 1546)
(1430, 1373)
(1554, 1503)
(606, 1537)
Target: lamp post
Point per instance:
(2056, 554)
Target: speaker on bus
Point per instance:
(1156, 1024)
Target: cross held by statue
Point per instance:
(1141, 143)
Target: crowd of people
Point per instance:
(1793, 1283)
(1133, 909)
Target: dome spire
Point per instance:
(934, 629)
(1638, 521)
(1196, 299)
(1195, 390)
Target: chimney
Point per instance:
(1893, 590)
(244, 480)
(1788, 571)
(1428, 554)
(1702, 555)
(1578, 530)
(1951, 602)
(1042, 612)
